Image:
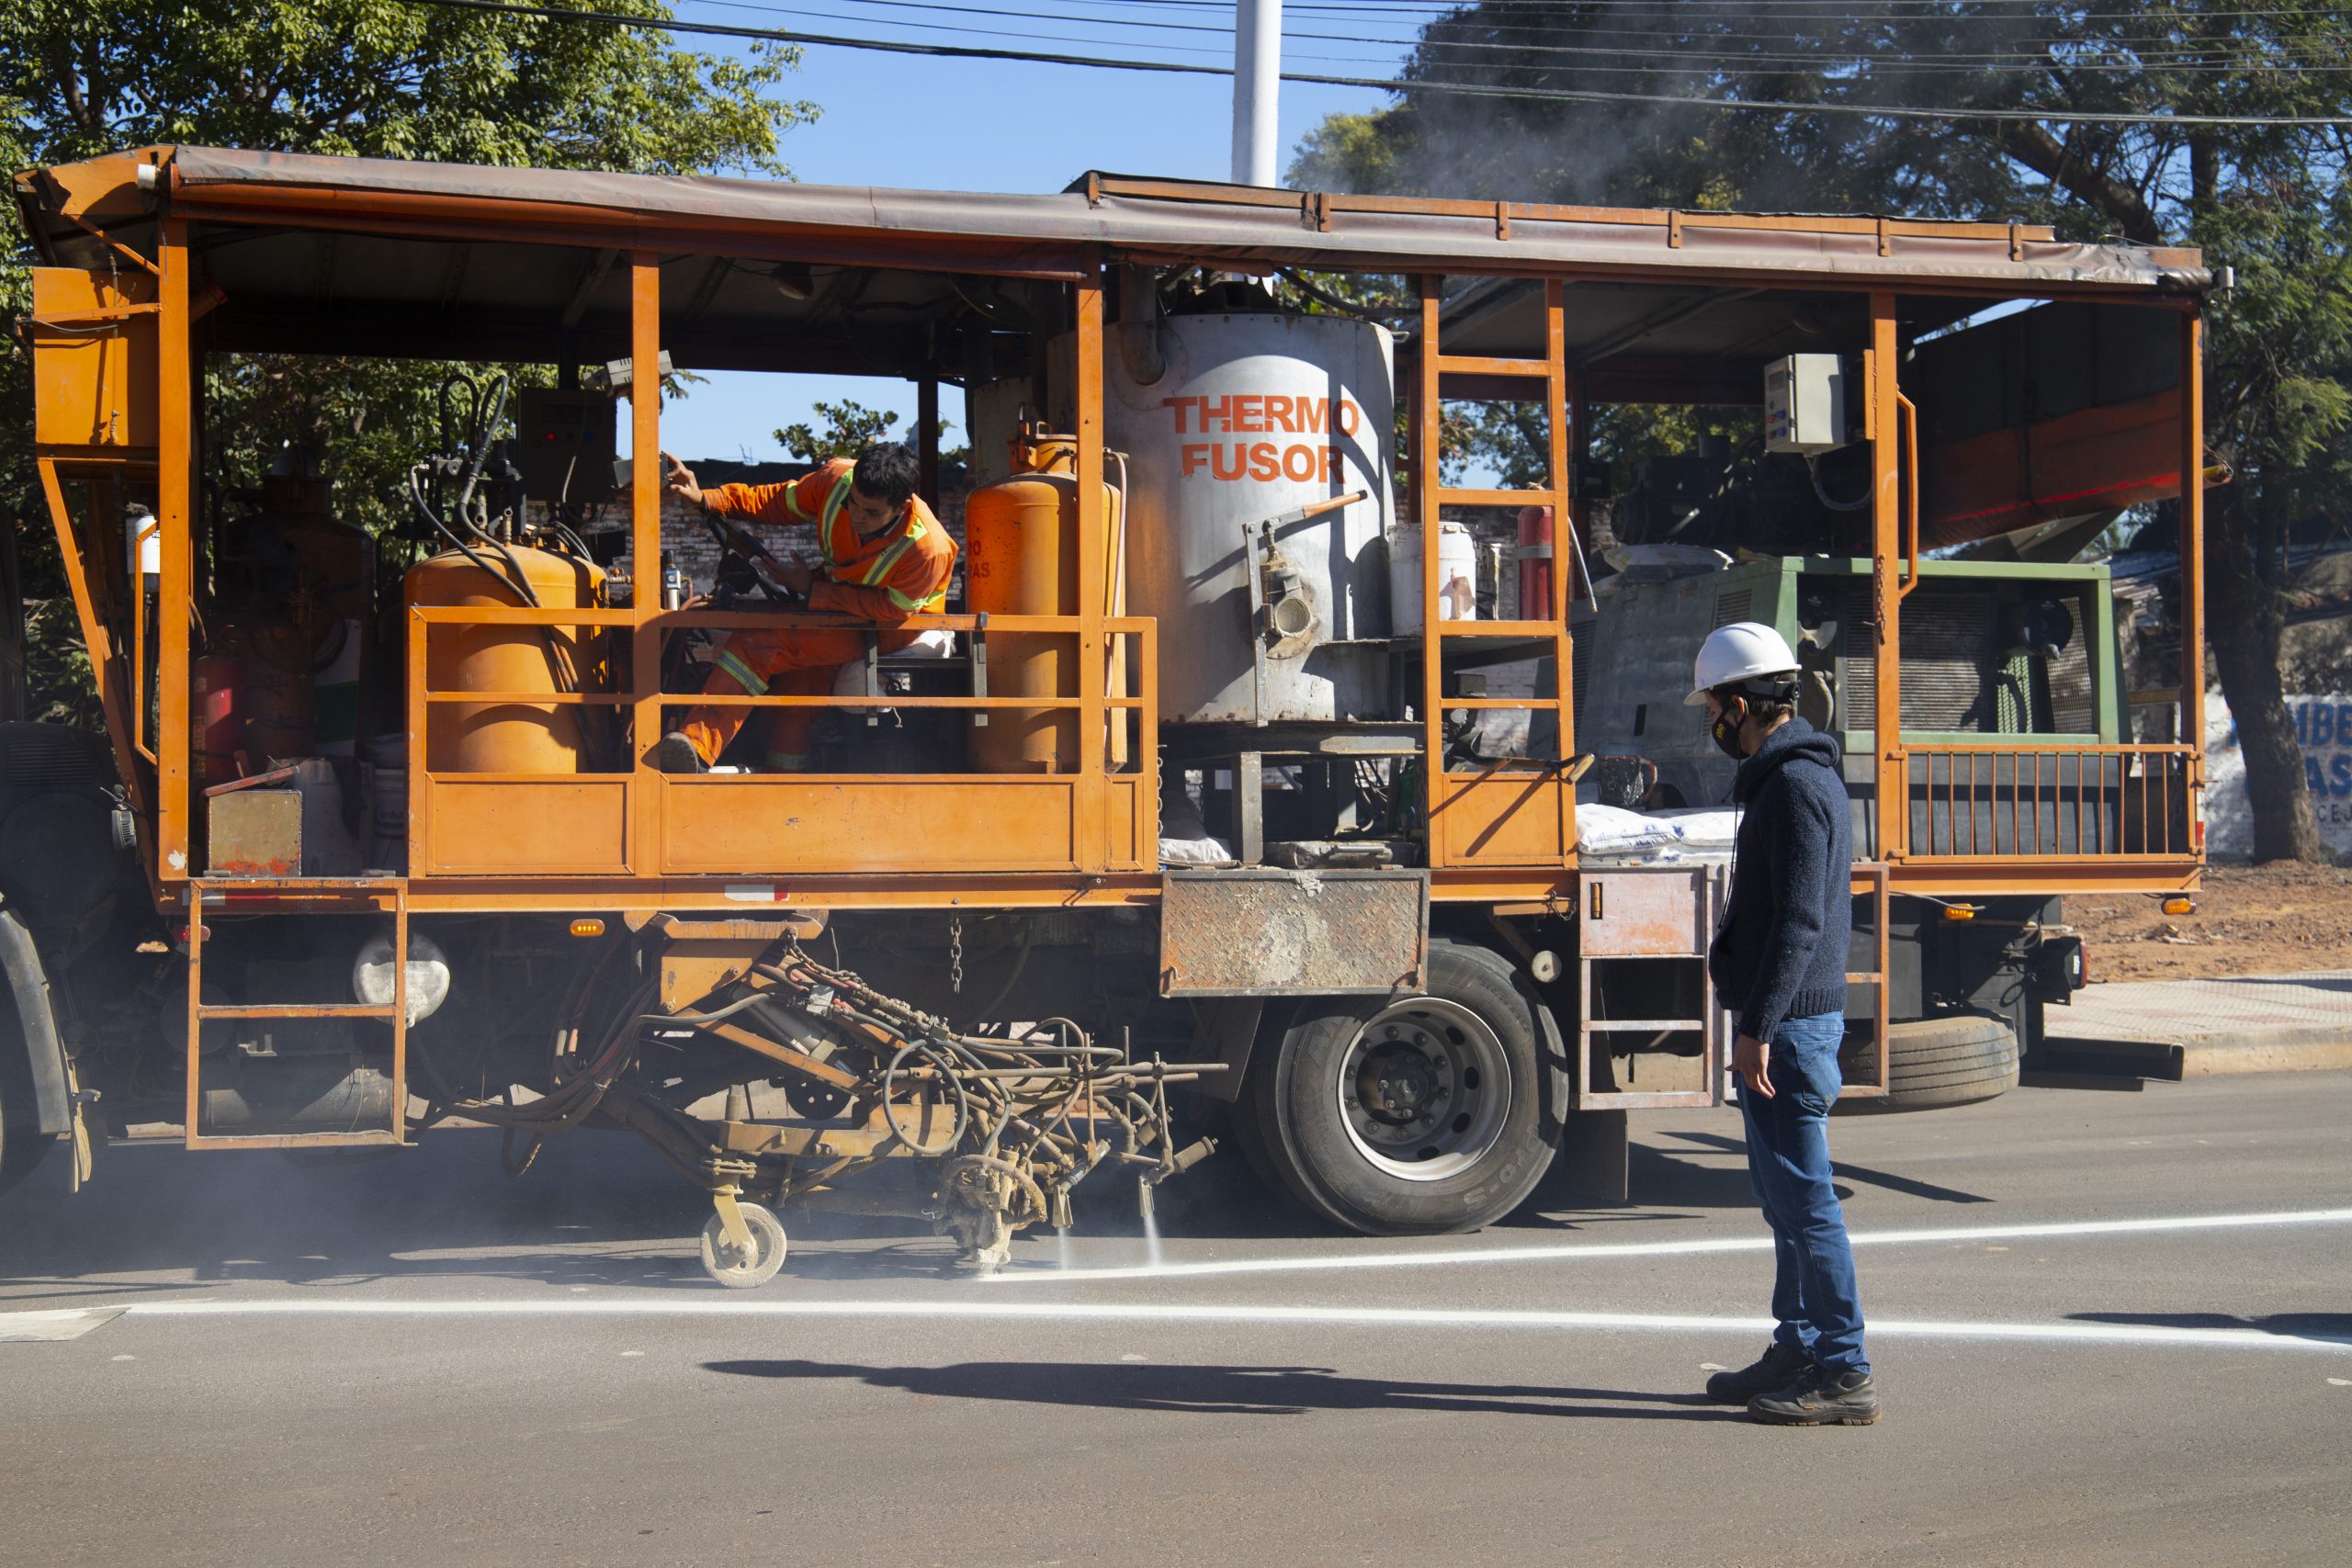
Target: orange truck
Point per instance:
(1216, 805)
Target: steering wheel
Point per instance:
(739, 543)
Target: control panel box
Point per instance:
(564, 445)
(1804, 403)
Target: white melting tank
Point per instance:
(1253, 416)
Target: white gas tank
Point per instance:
(1255, 415)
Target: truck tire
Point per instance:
(1415, 1115)
(1931, 1063)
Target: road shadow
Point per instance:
(2335, 1327)
(596, 1209)
(1906, 1185)
(1224, 1200)
(2079, 1072)
(600, 1209)
(1234, 1391)
(2305, 982)
(227, 1217)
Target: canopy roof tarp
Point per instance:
(376, 255)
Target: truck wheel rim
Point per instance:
(1423, 1089)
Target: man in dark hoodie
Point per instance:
(1778, 964)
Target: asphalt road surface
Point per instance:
(2110, 1327)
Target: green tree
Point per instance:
(850, 428)
(2270, 201)
(372, 78)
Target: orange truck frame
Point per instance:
(798, 942)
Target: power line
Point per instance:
(1962, 61)
(964, 29)
(1568, 30)
(1421, 14)
(1466, 89)
(1767, 8)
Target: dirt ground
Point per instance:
(2250, 920)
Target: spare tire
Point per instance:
(1406, 1115)
(1957, 1059)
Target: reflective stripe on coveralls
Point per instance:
(829, 514)
(799, 661)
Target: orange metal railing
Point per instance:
(633, 820)
(2027, 803)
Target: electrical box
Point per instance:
(1804, 403)
(564, 446)
(93, 336)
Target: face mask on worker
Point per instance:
(1726, 727)
(1734, 709)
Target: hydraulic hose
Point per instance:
(425, 509)
(1813, 472)
(479, 439)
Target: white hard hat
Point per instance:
(1744, 650)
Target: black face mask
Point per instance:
(1724, 730)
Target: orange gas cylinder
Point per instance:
(1535, 553)
(503, 738)
(1020, 558)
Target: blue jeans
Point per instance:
(1788, 1159)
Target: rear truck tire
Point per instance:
(1410, 1115)
(1932, 1062)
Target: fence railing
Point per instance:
(617, 815)
(2011, 802)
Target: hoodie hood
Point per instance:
(1792, 743)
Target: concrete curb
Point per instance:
(2272, 1051)
(2186, 1029)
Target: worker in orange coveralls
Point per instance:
(884, 558)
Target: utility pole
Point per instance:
(1257, 88)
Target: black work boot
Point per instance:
(1819, 1398)
(676, 754)
(1778, 1369)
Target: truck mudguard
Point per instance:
(28, 985)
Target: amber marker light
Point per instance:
(587, 928)
(1960, 911)
(2180, 906)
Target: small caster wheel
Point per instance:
(726, 1262)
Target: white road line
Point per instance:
(668, 1305)
(1570, 1252)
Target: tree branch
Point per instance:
(2032, 144)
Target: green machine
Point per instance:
(1990, 649)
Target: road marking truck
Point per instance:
(1219, 804)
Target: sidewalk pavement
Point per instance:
(2178, 1028)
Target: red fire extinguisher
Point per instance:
(1534, 563)
(219, 681)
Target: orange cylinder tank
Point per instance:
(513, 737)
(1020, 558)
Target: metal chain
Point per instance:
(956, 954)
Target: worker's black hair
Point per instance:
(1769, 697)
(886, 471)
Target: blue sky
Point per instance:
(943, 124)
